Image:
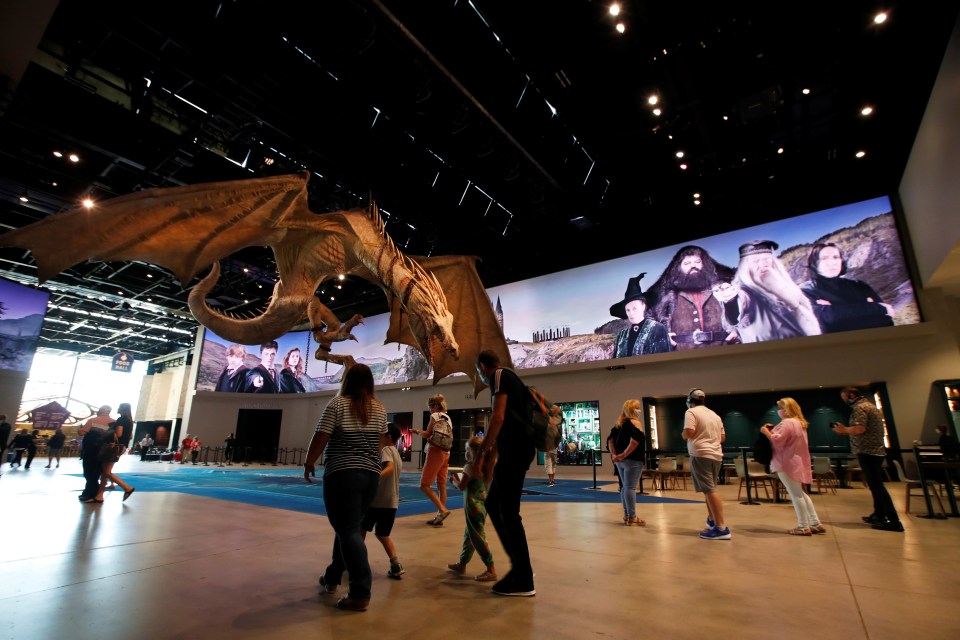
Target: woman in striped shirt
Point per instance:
(350, 435)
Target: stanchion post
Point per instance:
(246, 456)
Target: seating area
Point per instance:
(823, 474)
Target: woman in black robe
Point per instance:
(842, 304)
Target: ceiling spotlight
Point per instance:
(342, 277)
(683, 166)
(866, 111)
(780, 150)
(860, 154)
(725, 118)
(696, 195)
(679, 154)
(657, 112)
(696, 202)
(880, 18)
(57, 154)
(245, 270)
(24, 197)
(615, 9)
(621, 27)
(652, 100)
(74, 157)
(87, 203)
(805, 91)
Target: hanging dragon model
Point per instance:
(437, 305)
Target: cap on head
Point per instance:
(696, 395)
(633, 292)
(758, 246)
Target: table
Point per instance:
(839, 461)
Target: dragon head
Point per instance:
(429, 318)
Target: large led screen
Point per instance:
(22, 310)
(833, 271)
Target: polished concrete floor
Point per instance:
(170, 565)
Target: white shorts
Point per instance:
(550, 461)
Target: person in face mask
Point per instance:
(791, 461)
(628, 451)
(866, 441)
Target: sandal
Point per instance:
(486, 576)
(637, 521)
(817, 530)
(457, 568)
(799, 532)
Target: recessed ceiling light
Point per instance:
(880, 18)
(866, 111)
(780, 150)
(74, 157)
(861, 154)
(679, 154)
(696, 202)
(621, 27)
(341, 277)
(725, 118)
(149, 275)
(615, 9)
(696, 195)
(805, 91)
(683, 166)
(652, 100)
(87, 203)
(57, 154)
(657, 112)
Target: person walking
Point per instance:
(438, 458)
(474, 487)
(117, 433)
(506, 455)
(349, 436)
(5, 428)
(791, 462)
(382, 512)
(866, 441)
(93, 434)
(704, 433)
(55, 446)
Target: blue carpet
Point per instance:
(285, 489)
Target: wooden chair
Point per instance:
(665, 473)
(914, 483)
(683, 469)
(758, 477)
(823, 474)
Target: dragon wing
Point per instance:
(183, 229)
(475, 324)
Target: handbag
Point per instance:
(109, 451)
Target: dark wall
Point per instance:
(744, 414)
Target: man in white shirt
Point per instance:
(704, 433)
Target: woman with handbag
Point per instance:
(439, 439)
(791, 461)
(118, 433)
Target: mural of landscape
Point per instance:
(22, 310)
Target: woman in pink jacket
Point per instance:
(791, 461)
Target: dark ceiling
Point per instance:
(517, 131)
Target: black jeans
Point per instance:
(92, 467)
(503, 508)
(346, 495)
(873, 475)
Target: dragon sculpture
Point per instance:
(437, 305)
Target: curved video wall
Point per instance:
(833, 271)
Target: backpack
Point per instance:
(442, 434)
(542, 421)
(763, 451)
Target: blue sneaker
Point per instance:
(710, 523)
(715, 533)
